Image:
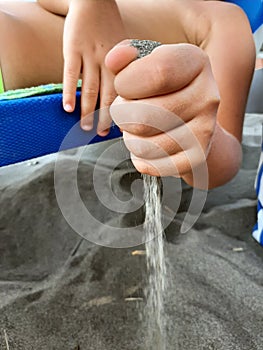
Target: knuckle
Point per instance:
(70, 73)
(89, 92)
(161, 76)
(108, 100)
(182, 166)
(140, 129)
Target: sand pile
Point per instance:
(58, 291)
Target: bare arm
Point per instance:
(218, 63)
(230, 48)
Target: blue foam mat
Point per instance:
(35, 126)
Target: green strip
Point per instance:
(1, 83)
(32, 91)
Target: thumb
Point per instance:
(120, 56)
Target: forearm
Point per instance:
(233, 70)
(223, 161)
(58, 7)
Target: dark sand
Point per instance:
(58, 291)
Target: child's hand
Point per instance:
(167, 107)
(92, 28)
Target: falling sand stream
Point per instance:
(156, 266)
(156, 290)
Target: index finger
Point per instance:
(167, 69)
(72, 68)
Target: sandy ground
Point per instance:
(59, 291)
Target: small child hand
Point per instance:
(91, 29)
(167, 106)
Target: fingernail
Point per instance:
(104, 132)
(68, 107)
(86, 127)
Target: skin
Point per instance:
(206, 94)
(86, 43)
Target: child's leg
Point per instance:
(30, 45)
(31, 37)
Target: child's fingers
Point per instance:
(89, 95)
(107, 96)
(104, 122)
(72, 67)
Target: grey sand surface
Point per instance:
(58, 291)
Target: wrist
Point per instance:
(222, 162)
